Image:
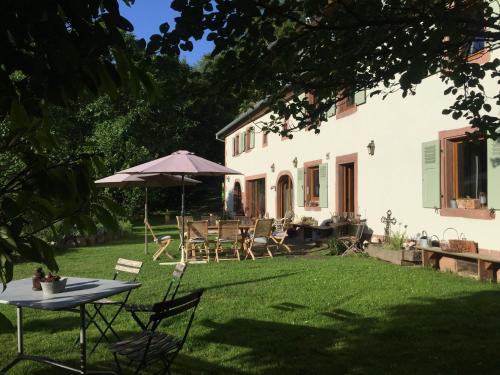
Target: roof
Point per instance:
(242, 119)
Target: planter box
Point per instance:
(400, 257)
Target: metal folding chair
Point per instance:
(131, 267)
(173, 287)
(150, 346)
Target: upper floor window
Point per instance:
(477, 45)
(264, 139)
(250, 138)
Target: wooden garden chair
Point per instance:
(259, 238)
(228, 233)
(352, 241)
(197, 238)
(151, 346)
(280, 227)
(163, 242)
(171, 292)
(132, 269)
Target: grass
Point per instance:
(291, 315)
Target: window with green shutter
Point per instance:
(493, 155)
(242, 142)
(323, 185)
(431, 191)
(251, 135)
(360, 97)
(300, 187)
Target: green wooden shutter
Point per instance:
(323, 185)
(332, 111)
(493, 155)
(431, 191)
(300, 187)
(252, 138)
(242, 142)
(360, 97)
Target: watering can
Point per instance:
(424, 240)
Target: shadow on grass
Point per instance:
(252, 281)
(459, 335)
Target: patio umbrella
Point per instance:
(144, 180)
(181, 163)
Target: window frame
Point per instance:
(447, 140)
(311, 202)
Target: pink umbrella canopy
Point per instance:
(181, 163)
(144, 180)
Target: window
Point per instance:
(477, 45)
(250, 138)
(312, 186)
(236, 145)
(461, 177)
(349, 103)
(285, 128)
(466, 175)
(264, 139)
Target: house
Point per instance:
(372, 155)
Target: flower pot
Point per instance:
(453, 203)
(54, 287)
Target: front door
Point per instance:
(285, 195)
(256, 198)
(346, 188)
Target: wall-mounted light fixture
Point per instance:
(228, 178)
(327, 156)
(295, 162)
(272, 167)
(371, 148)
(273, 187)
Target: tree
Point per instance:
(331, 48)
(54, 53)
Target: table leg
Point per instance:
(20, 338)
(83, 341)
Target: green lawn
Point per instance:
(292, 315)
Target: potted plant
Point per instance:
(53, 284)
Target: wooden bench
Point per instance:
(487, 267)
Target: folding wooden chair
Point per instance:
(162, 243)
(228, 233)
(259, 238)
(150, 346)
(130, 267)
(197, 239)
(173, 287)
(353, 241)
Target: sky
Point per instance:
(147, 15)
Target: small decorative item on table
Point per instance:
(53, 284)
(38, 275)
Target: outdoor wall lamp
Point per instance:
(228, 178)
(295, 162)
(273, 187)
(371, 148)
(272, 167)
(327, 156)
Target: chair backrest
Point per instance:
(197, 229)
(212, 219)
(228, 230)
(186, 219)
(174, 308)
(175, 281)
(360, 229)
(263, 228)
(132, 267)
(289, 216)
(244, 220)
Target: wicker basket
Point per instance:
(54, 287)
(468, 203)
(444, 244)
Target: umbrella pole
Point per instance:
(182, 215)
(145, 222)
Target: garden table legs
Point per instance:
(25, 357)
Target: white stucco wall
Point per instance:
(391, 179)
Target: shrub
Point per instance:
(336, 247)
(125, 228)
